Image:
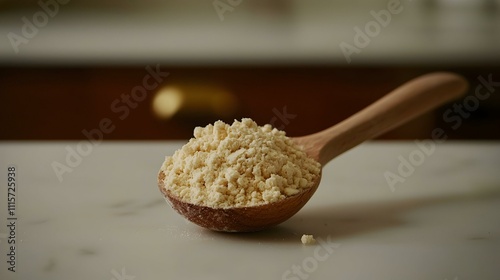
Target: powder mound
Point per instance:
(238, 165)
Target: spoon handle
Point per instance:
(399, 106)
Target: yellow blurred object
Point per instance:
(193, 101)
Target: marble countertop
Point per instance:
(106, 219)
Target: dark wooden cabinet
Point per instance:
(61, 102)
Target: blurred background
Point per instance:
(156, 69)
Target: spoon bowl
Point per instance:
(240, 219)
(399, 106)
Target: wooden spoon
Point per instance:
(401, 105)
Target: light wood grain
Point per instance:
(399, 106)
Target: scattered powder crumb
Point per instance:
(308, 239)
(238, 165)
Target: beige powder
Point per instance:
(307, 239)
(238, 165)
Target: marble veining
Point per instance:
(442, 222)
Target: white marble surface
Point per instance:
(107, 220)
